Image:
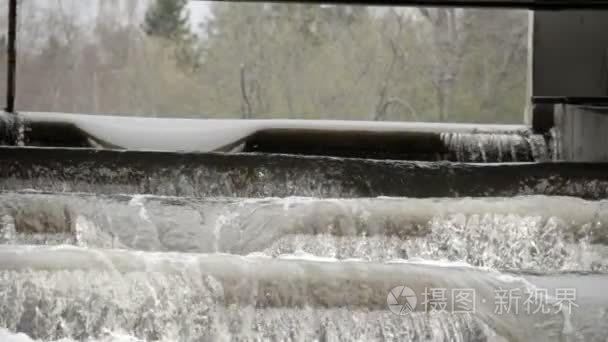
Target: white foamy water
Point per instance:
(493, 147)
(534, 233)
(55, 292)
(82, 267)
(7, 336)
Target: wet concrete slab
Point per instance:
(273, 175)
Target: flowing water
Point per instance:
(495, 147)
(76, 266)
(193, 261)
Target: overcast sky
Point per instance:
(199, 10)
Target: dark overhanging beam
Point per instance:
(574, 100)
(11, 67)
(507, 4)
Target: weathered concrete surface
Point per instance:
(263, 175)
(581, 133)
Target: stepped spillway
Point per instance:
(112, 245)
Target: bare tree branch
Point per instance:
(395, 101)
(247, 114)
(489, 103)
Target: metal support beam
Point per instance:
(11, 71)
(575, 100)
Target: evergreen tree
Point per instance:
(167, 19)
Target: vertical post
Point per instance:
(11, 77)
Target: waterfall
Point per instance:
(494, 147)
(100, 245)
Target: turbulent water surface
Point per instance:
(207, 255)
(76, 266)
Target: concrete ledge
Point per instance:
(349, 139)
(262, 175)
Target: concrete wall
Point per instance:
(570, 58)
(583, 133)
(570, 53)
